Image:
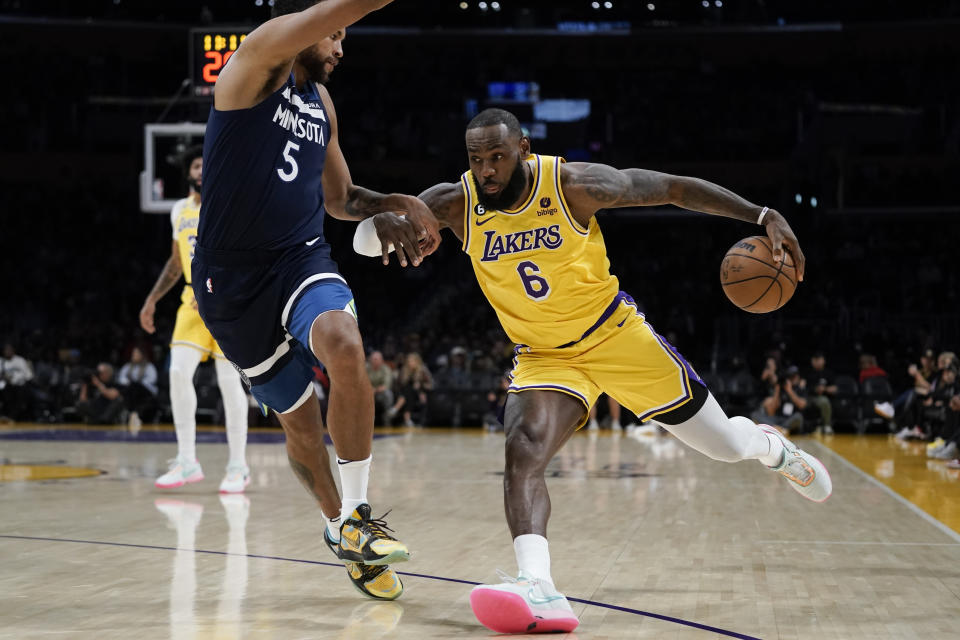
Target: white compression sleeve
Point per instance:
(729, 440)
(183, 398)
(235, 408)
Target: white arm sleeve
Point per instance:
(365, 240)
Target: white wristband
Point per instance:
(763, 213)
(365, 239)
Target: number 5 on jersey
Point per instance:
(288, 175)
(537, 287)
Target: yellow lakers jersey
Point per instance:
(547, 277)
(185, 216)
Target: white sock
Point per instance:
(235, 408)
(183, 399)
(353, 483)
(333, 527)
(533, 556)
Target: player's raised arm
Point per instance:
(590, 187)
(266, 55)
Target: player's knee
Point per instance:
(339, 348)
(525, 452)
(178, 377)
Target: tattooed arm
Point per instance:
(590, 187)
(168, 277)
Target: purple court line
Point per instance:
(594, 603)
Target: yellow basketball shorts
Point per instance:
(189, 330)
(621, 355)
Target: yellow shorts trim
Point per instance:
(624, 358)
(189, 331)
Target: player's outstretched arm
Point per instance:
(263, 60)
(590, 187)
(445, 203)
(168, 277)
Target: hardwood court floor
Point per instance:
(650, 540)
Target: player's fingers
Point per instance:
(411, 244)
(776, 238)
(799, 258)
(385, 250)
(401, 250)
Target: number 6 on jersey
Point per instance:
(289, 176)
(537, 287)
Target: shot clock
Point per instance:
(210, 49)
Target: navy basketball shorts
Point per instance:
(260, 307)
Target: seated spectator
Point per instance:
(415, 383)
(15, 374)
(454, 375)
(935, 418)
(100, 401)
(953, 428)
(902, 405)
(918, 418)
(381, 379)
(138, 381)
(869, 368)
(783, 408)
(820, 385)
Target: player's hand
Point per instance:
(402, 233)
(146, 316)
(782, 237)
(425, 224)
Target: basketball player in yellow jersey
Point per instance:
(192, 344)
(527, 223)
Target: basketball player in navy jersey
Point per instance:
(264, 280)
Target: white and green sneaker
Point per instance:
(181, 472)
(236, 480)
(806, 474)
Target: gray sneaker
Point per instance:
(806, 474)
(947, 452)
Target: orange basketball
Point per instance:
(752, 280)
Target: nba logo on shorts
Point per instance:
(209, 285)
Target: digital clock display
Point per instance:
(210, 49)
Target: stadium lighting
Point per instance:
(495, 6)
(651, 6)
(814, 202)
(483, 6)
(798, 199)
(464, 6)
(608, 5)
(706, 4)
(258, 3)
(595, 5)
(718, 3)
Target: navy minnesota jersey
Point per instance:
(262, 171)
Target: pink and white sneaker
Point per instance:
(181, 472)
(522, 605)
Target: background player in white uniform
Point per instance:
(192, 344)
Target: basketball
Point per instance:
(752, 280)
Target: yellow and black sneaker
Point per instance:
(364, 539)
(378, 582)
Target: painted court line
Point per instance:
(861, 543)
(953, 535)
(593, 603)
